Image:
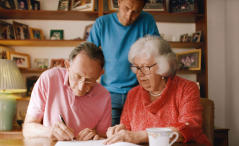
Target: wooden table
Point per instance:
(16, 139)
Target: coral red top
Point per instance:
(179, 107)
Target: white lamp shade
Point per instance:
(11, 80)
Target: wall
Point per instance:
(232, 70)
(223, 42)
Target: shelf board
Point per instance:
(23, 99)
(185, 45)
(45, 43)
(188, 71)
(32, 70)
(183, 17)
(47, 15)
(73, 43)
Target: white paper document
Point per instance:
(91, 143)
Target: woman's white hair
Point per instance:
(155, 46)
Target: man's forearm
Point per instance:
(32, 130)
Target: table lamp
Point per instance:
(11, 84)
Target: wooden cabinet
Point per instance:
(220, 137)
(200, 20)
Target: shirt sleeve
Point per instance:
(95, 33)
(190, 115)
(124, 119)
(37, 102)
(153, 29)
(105, 121)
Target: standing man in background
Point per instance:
(115, 33)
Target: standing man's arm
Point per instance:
(95, 34)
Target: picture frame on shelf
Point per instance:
(155, 5)
(30, 82)
(190, 60)
(196, 37)
(21, 31)
(63, 5)
(7, 4)
(6, 31)
(113, 5)
(22, 60)
(82, 5)
(22, 5)
(183, 6)
(4, 51)
(56, 34)
(41, 63)
(57, 63)
(34, 5)
(36, 34)
(87, 31)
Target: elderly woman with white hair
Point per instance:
(162, 99)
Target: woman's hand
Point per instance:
(128, 136)
(59, 131)
(87, 134)
(113, 130)
(121, 136)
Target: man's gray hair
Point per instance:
(155, 46)
(91, 50)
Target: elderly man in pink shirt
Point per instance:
(73, 94)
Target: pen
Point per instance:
(62, 120)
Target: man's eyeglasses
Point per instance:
(144, 69)
(80, 79)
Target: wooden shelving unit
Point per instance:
(47, 15)
(200, 20)
(51, 43)
(32, 70)
(72, 43)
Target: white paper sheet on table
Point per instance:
(91, 143)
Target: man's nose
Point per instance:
(81, 84)
(129, 16)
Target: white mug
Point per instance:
(161, 136)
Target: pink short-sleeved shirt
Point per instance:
(52, 96)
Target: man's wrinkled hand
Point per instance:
(87, 134)
(59, 131)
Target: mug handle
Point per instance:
(175, 138)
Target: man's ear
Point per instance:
(67, 64)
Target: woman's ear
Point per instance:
(102, 72)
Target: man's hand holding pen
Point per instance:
(61, 132)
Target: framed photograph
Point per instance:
(113, 5)
(6, 31)
(151, 5)
(190, 60)
(4, 51)
(22, 60)
(63, 5)
(36, 34)
(87, 31)
(41, 63)
(82, 5)
(30, 82)
(21, 31)
(34, 5)
(57, 34)
(7, 4)
(196, 37)
(155, 5)
(57, 63)
(22, 4)
(183, 6)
